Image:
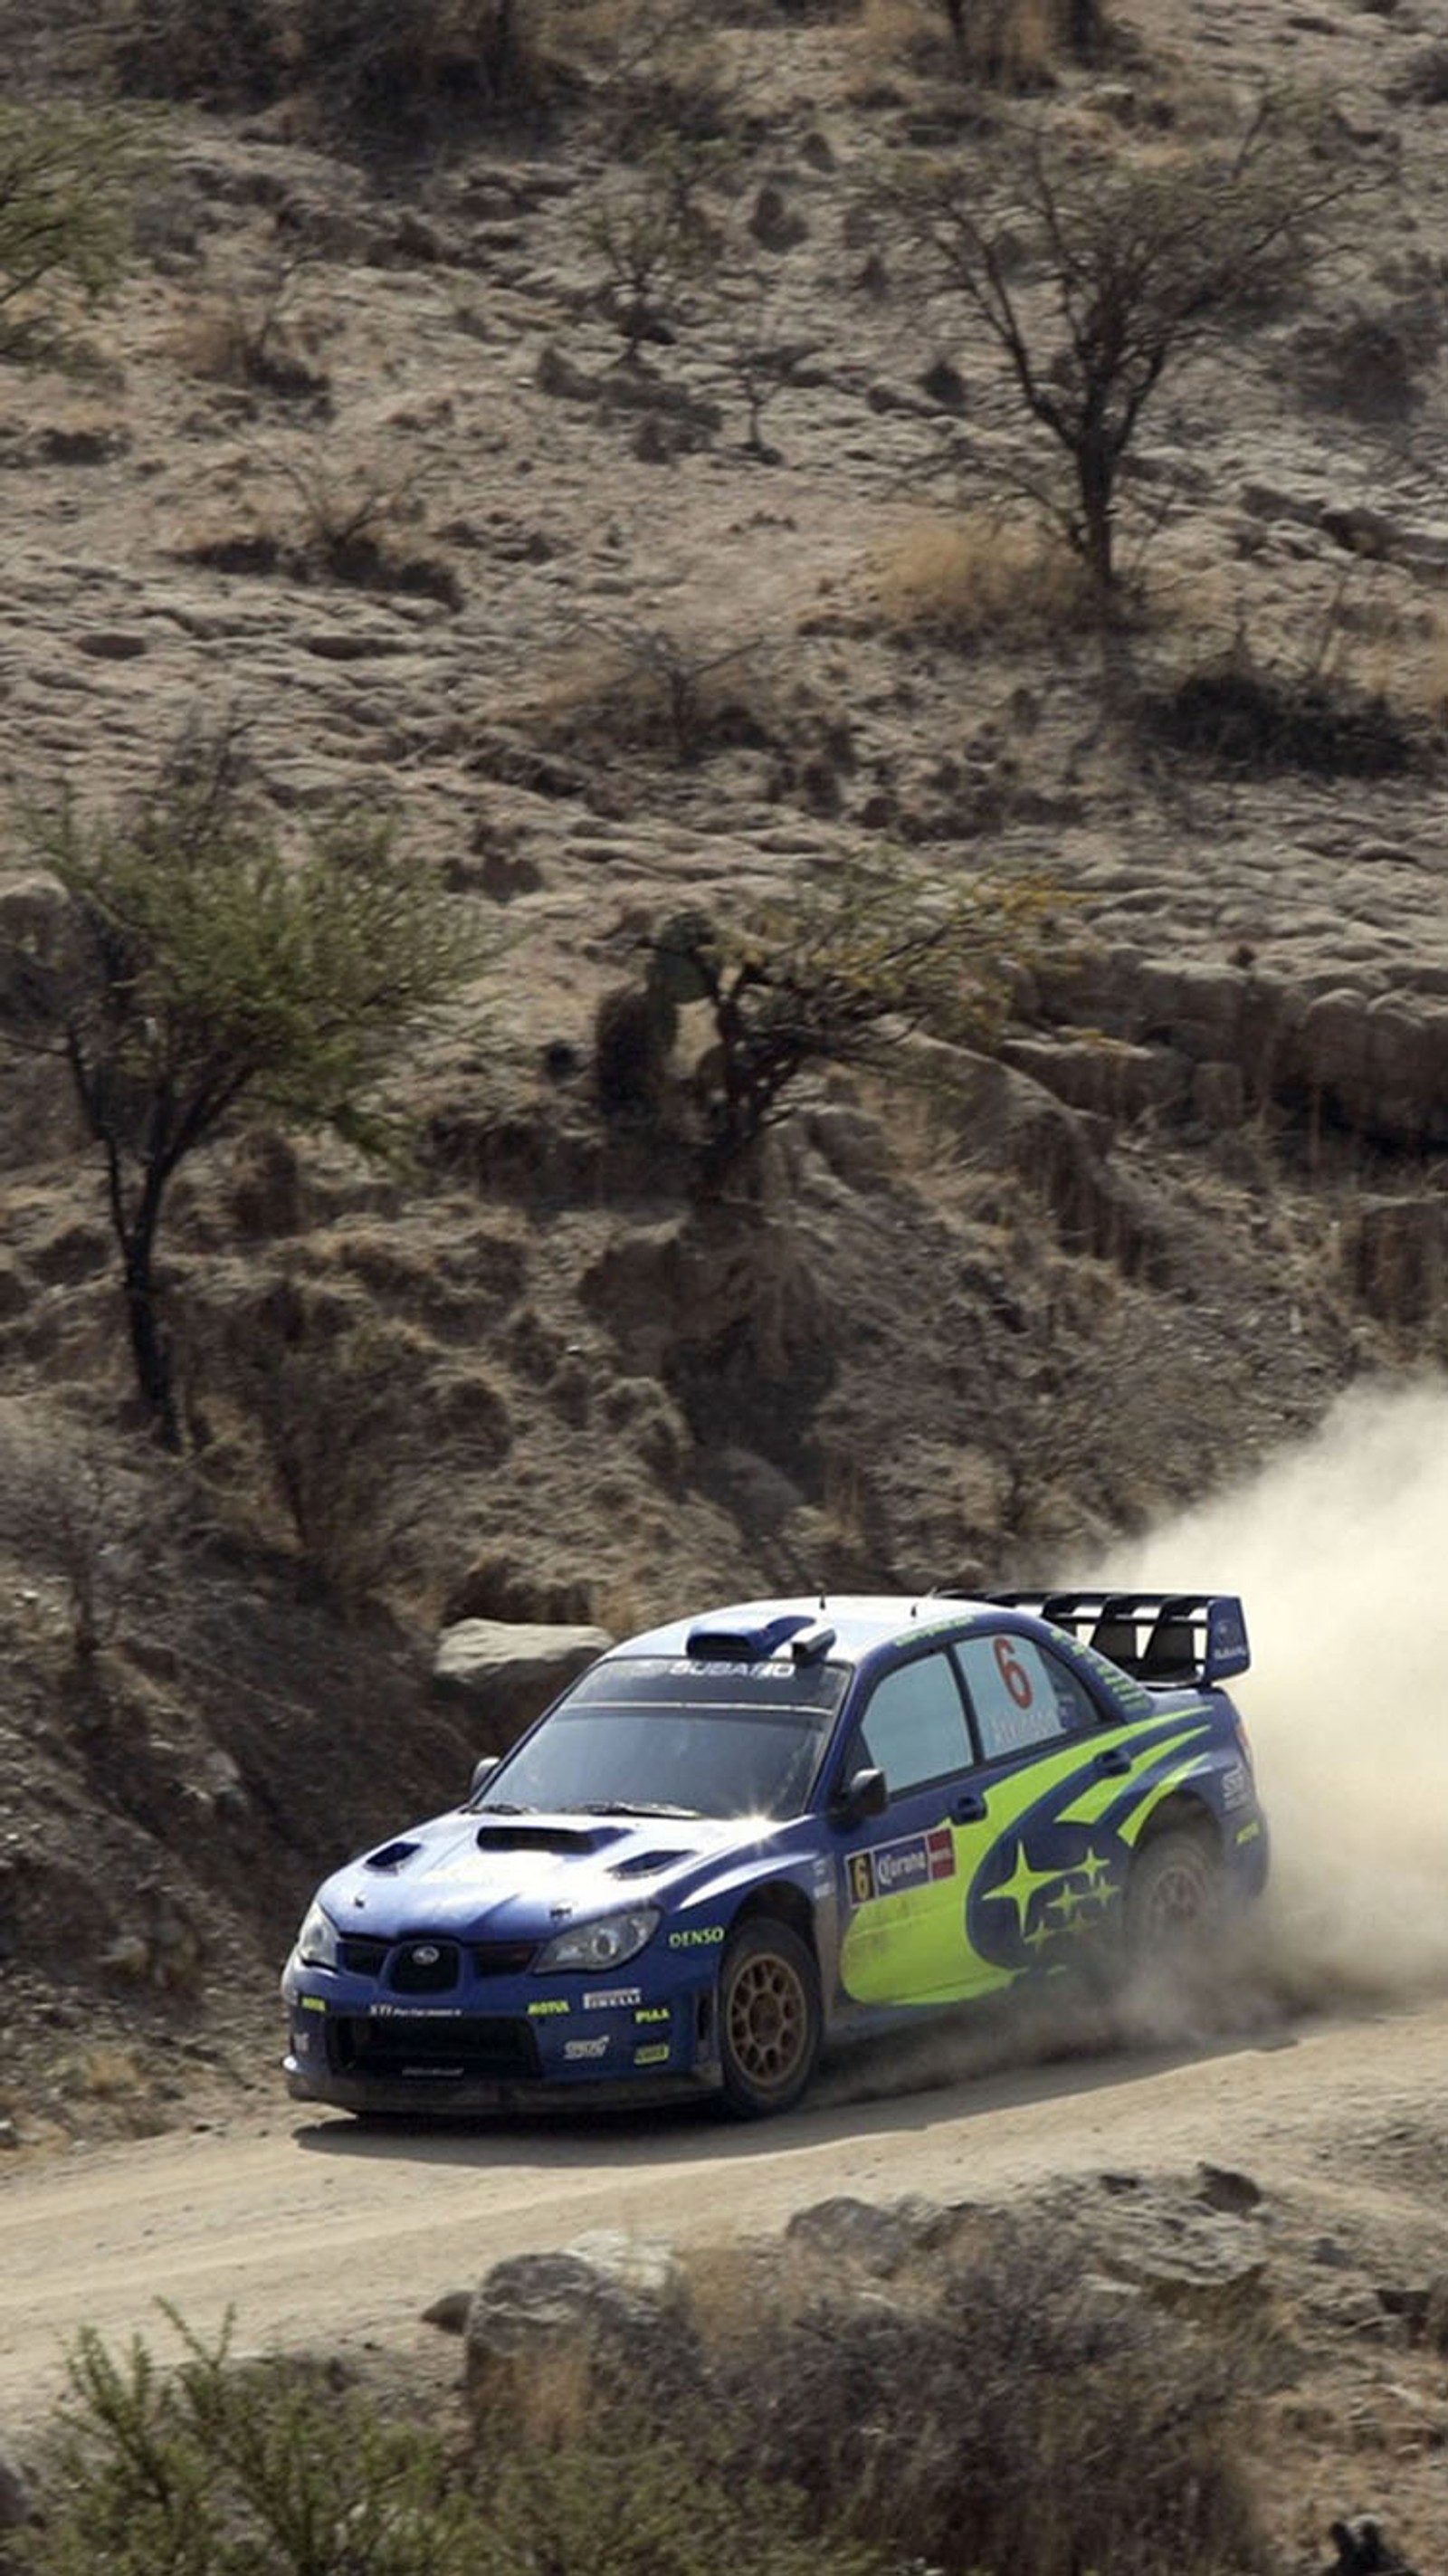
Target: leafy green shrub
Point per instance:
(203, 974)
(224, 2468)
(67, 176)
(217, 2468)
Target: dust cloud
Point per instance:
(1339, 1549)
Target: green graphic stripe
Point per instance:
(1131, 1830)
(1104, 1792)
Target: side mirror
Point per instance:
(865, 1794)
(482, 1773)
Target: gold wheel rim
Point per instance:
(768, 2022)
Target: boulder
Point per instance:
(506, 1672)
(861, 2235)
(550, 2337)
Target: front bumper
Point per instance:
(362, 2047)
(467, 2099)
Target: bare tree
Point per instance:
(1096, 274)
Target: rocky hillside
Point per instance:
(632, 592)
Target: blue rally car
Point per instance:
(744, 1835)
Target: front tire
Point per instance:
(1174, 1900)
(769, 2019)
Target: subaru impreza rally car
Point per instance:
(742, 1836)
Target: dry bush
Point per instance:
(652, 689)
(1257, 717)
(222, 53)
(661, 75)
(1372, 359)
(982, 579)
(333, 516)
(983, 2429)
(242, 333)
(1013, 45)
(391, 69)
(395, 69)
(334, 1416)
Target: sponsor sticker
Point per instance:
(312, 2003)
(700, 1936)
(654, 2012)
(656, 2054)
(586, 2047)
(552, 2004)
(911, 1862)
(608, 1998)
(416, 2012)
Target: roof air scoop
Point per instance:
(812, 1643)
(745, 1645)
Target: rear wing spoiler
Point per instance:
(1168, 1638)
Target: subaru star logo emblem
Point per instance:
(426, 1955)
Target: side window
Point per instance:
(914, 1728)
(1021, 1694)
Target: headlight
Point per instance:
(317, 1940)
(605, 1944)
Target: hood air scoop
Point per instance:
(509, 1837)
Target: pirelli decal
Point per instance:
(892, 1867)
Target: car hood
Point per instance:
(492, 1876)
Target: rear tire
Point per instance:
(1174, 1900)
(769, 2019)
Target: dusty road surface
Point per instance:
(319, 2231)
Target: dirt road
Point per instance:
(319, 2231)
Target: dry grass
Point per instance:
(981, 580)
(105, 2073)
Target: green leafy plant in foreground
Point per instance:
(219, 2467)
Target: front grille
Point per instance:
(425, 1967)
(410, 1975)
(425, 2049)
(503, 1958)
(362, 1958)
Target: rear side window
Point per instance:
(914, 1728)
(1021, 1694)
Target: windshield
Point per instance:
(657, 1735)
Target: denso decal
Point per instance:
(911, 1862)
(587, 2047)
(611, 1996)
(700, 1936)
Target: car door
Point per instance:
(905, 1873)
(1051, 1870)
